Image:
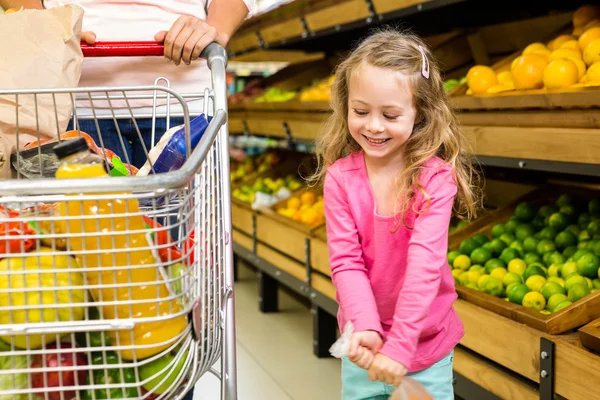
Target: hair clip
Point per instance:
(424, 63)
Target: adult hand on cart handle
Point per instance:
(186, 39)
(88, 37)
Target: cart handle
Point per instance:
(142, 49)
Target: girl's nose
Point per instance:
(374, 124)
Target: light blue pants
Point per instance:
(437, 379)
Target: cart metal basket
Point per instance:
(117, 286)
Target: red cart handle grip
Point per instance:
(122, 49)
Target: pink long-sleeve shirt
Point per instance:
(395, 283)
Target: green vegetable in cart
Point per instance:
(13, 381)
(161, 369)
(96, 339)
(111, 376)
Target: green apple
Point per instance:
(158, 370)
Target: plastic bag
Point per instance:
(409, 389)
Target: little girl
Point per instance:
(393, 162)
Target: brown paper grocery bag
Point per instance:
(40, 50)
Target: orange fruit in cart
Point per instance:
(528, 71)
(560, 41)
(560, 74)
(591, 53)
(584, 14)
(588, 37)
(480, 78)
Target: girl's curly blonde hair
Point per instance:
(436, 132)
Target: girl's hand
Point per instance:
(363, 346)
(386, 370)
(186, 39)
(88, 37)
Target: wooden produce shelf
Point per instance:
(590, 335)
(517, 347)
(242, 239)
(242, 217)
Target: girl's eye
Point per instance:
(390, 117)
(360, 112)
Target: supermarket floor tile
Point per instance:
(275, 359)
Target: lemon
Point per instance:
(462, 262)
(555, 300)
(477, 268)
(534, 301)
(554, 270)
(473, 276)
(499, 273)
(480, 78)
(510, 278)
(560, 281)
(517, 266)
(528, 71)
(463, 278)
(588, 37)
(293, 203)
(533, 47)
(500, 88)
(535, 282)
(591, 53)
(568, 269)
(571, 44)
(482, 279)
(559, 54)
(452, 256)
(593, 72)
(505, 78)
(561, 40)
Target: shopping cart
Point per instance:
(118, 286)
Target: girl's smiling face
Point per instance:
(381, 115)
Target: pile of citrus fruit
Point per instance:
(320, 91)
(307, 208)
(543, 259)
(567, 61)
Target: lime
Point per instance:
(492, 286)
(580, 253)
(507, 238)
(546, 258)
(557, 258)
(530, 244)
(594, 207)
(562, 305)
(462, 262)
(554, 269)
(452, 256)
(493, 264)
(481, 239)
(510, 286)
(509, 254)
(595, 247)
(488, 246)
(558, 280)
(545, 246)
(574, 229)
(546, 211)
(517, 293)
(538, 223)
(569, 251)
(584, 219)
(467, 246)
(473, 277)
(565, 239)
(481, 256)
(534, 301)
(594, 227)
(573, 280)
(548, 233)
(568, 268)
(462, 223)
(588, 265)
(499, 273)
(509, 277)
(583, 236)
(497, 246)
(498, 230)
(525, 212)
(524, 231)
(510, 226)
(569, 210)
(550, 288)
(463, 278)
(533, 270)
(482, 279)
(472, 286)
(590, 283)
(517, 266)
(555, 300)
(565, 199)
(476, 268)
(578, 291)
(531, 258)
(518, 245)
(596, 283)
(535, 282)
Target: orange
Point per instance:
(542, 53)
(516, 60)
(565, 53)
(561, 40)
(528, 72)
(293, 203)
(297, 216)
(533, 47)
(591, 53)
(593, 72)
(310, 217)
(585, 14)
(588, 37)
(500, 88)
(560, 74)
(584, 79)
(592, 83)
(505, 78)
(580, 65)
(308, 198)
(480, 78)
(571, 44)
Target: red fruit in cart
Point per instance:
(70, 378)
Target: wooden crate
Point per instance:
(319, 252)
(569, 318)
(590, 335)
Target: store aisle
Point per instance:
(275, 360)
